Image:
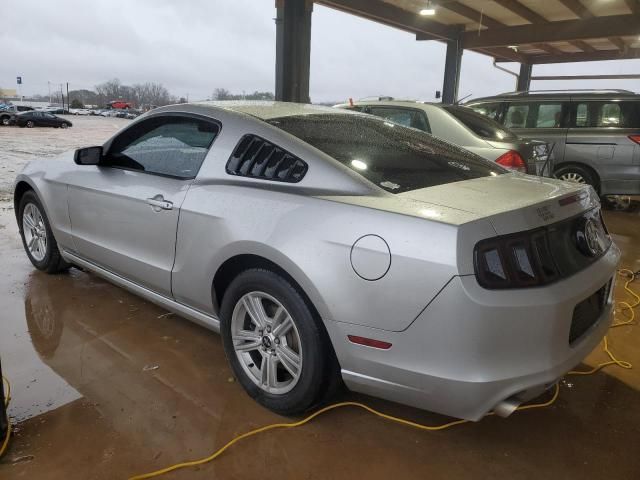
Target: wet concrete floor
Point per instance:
(106, 385)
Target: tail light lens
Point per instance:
(513, 161)
(635, 138)
(535, 258)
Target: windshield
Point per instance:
(396, 158)
(480, 125)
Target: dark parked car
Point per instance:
(41, 119)
(8, 113)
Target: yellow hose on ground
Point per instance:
(5, 442)
(402, 421)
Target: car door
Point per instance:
(49, 120)
(540, 120)
(602, 135)
(124, 211)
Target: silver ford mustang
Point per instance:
(328, 246)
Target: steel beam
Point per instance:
(453, 62)
(293, 50)
(629, 53)
(388, 14)
(524, 78)
(566, 30)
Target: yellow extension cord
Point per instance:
(5, 442)
(613, 361)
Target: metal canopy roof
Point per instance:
(525, 31)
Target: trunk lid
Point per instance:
(511, 202)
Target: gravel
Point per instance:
(19, 145)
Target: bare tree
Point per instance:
(109, 90)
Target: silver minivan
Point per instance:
(595, 134)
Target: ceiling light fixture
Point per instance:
(429, 10)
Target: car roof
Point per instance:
(561, 95)
(264, 110)
(390, 103)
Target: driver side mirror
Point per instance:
(88, 156)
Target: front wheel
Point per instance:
(276, 346)
(30, 124)
(37, 237)
(5, 121)
(64, 125)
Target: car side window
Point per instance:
(170, 145)
(534, 115)
(607, 115)
(516, 116)
(549, 115)
(407, 117)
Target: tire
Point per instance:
(64, 125)
(304, 337)
(43, 253)
(578, 174)
(30, 124)
(5, 121)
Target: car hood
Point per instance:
(511, 202)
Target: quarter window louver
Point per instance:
(255, 157)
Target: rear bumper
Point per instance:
(472, 348)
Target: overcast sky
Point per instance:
(195, 46)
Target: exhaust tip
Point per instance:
(506, 407)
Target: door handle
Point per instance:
(159, 203)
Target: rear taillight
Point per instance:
(635, 138)
(534, 258)
(515, 261)
(513, 161)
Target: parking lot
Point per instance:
(21, 144)
(107, 385)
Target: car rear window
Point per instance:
(482, 126)
(396, 158)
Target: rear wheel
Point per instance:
(30, 124)
(37, 237)
(5, 121)
(577, 174)
(276, 347)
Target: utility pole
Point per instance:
(62, 97)
(68, 100)
(49, 85)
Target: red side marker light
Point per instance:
(369, 342)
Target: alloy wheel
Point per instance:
(35, 232)
(572, 177)
(266, 342)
